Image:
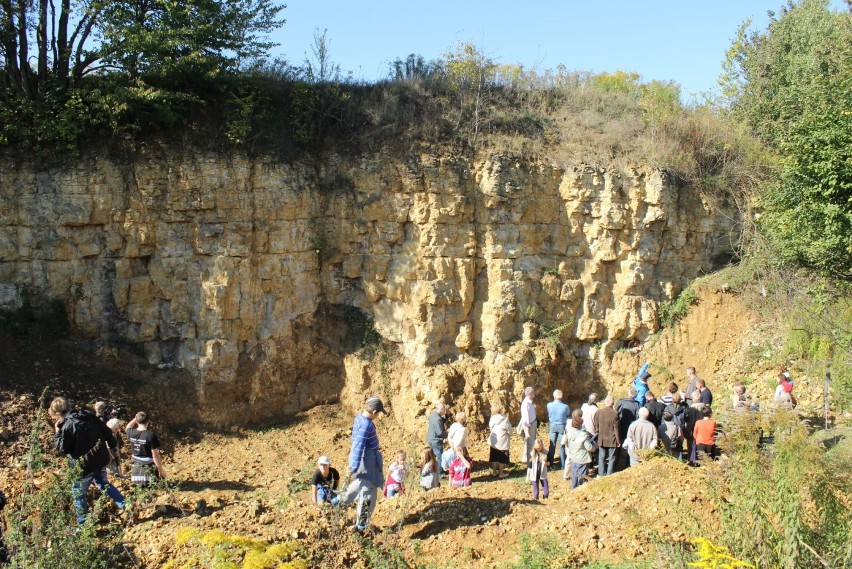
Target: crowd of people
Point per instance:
(92, 441)
(598, 439)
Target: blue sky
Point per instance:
(683, 40)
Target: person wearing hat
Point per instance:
(324, 483)
(365, 463)
(641, 384)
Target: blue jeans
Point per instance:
(606, 457)
(81, 486)
(555, 432)
(438, 449)
(578, 474)
(327, 495)
(364, 494)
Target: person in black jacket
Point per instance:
(627, 409)
(86, 441)
(655, 409)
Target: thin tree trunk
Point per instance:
(62, 62)
(23, 49)
(41, 41)
(10, 45)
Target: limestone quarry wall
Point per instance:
(256, 275)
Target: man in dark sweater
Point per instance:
(86, 441)
(627, 409)
(655, 409)
(436, 433)
(606, 424)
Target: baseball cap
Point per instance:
(646, 375)
(324, 460)
(375, 404)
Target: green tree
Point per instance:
(792, 83)
(201, 38)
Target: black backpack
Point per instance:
(91, 439)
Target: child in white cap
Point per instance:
(324, 483)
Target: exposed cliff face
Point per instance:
(479, 276)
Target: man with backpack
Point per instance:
(86, 441)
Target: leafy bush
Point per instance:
(43, 530)
(781, 507)
(673, 312)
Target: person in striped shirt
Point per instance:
(365, 463)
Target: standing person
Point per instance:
(365, 463)
(498, 441)
(460, 469)
(398, 470)
(146, 464)
(528, 426)
(691, 383)
(580, 446)
(655, 409)
(704, 434)
(457, 435)
(430, 476)
(114, 466)
(589, 409)
(678, 410)
(557, 418)
(436, 433)
(706, 396)
(606, 425)
(324, 483)
(640, 384)
(671, 436)
(86, 441)
(628, 410)
(537, 470)
(693, 414)
(666, 399)
(641, 435)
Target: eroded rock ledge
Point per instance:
(256, 276)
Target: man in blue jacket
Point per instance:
(365, 463)
(436, 434)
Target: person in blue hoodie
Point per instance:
(365, 463)
(640, 383)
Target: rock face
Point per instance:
(262, 279)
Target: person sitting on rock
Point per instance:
(741, 399)
(324, 483)
(784, 398)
